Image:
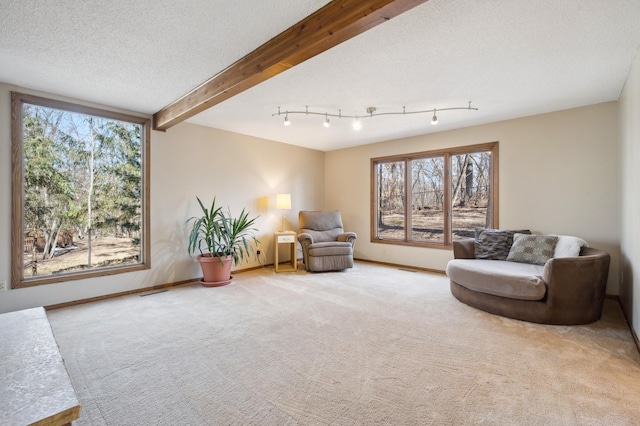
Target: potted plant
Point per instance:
(220, 239)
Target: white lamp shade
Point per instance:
(283, 201)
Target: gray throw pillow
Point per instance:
(494, 244)
(536, 249)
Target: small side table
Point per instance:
(286, 237)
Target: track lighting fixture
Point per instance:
(371, 112)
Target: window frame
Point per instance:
(447, 153)
(18, 280)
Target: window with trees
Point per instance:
(432, 198)
(80, 191)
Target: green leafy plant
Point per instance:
(218, 233)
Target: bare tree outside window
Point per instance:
(433, 198)
(80, 191)
(427, 195)
(391, 196)
(471, 193)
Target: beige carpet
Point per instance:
(373, 345)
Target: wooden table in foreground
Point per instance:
(35, 388)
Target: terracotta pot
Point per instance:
(215, 273)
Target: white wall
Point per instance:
(186, 161)
(630, 216)
(558, 174)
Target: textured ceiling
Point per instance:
(140, 55)
(511, 58)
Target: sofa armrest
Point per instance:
(349, 237)
(464, 249)
(577, 284)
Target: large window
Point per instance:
(80, 191)
(432, 198)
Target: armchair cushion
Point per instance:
(505, 279)
(322, 226)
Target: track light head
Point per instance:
(434, 119)
(326, 121)
(357, 125)
(286, 120)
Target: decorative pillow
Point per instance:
(494, 244)
(536, 249)
(569, 246)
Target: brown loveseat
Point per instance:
(567, 290)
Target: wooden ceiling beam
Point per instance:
(329, 26)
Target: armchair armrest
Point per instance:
(303, 237)
(349, 237)
(576, 285)
(464, 249)
(305, 241)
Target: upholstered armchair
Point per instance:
(325, 245)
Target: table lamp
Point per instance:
(283, 202)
